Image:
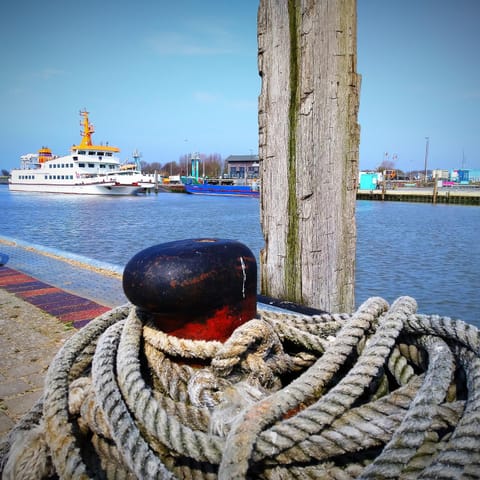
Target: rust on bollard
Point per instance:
(201, 289)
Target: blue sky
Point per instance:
(169, 78)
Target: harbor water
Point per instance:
(429, 252)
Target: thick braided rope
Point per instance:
(338, 399)
(382, 393)
(27, 422)
(411, 434)
(464, 442)
(239, 448)
(135, 450)
(140, 400)
(59, 434)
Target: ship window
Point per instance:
(91, 153)
(81, 152)
(100, 154)
(108, 154)
(46, 177)
(63, 165)
(102, 165)
(91, 165)
(82, 165)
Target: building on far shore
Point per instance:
(465, 175)
(242, 166)
(440, 174)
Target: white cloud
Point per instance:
(48, 73)
(197, 39)
(205, 97)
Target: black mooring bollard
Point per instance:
(201, 289)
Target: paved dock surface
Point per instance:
(30, 337)
(99, 282)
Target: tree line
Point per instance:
(211, 165)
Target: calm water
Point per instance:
(430, 252)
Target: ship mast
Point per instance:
(87, 130)
(86, 134)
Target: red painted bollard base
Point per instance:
(200, 289)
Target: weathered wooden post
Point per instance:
(308, 149)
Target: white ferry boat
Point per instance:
(88, 169)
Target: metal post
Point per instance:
(426, 159)
(174, 282)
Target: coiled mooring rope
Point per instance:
(381, 393)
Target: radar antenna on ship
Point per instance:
(136, 157)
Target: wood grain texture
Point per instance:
(308, 149)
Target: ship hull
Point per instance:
(90, 189)
(224, 190)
